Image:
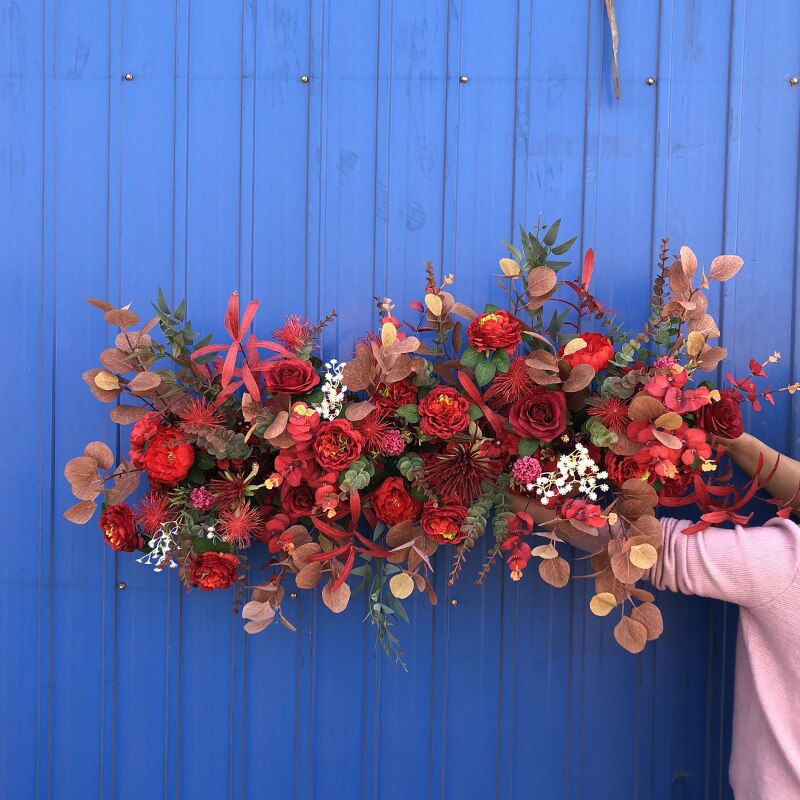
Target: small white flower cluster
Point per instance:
(333, 391)
(574, 472)
(162, 544)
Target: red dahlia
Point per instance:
(495, 330)
(212, 570)
(460, 470)
(443, 521)
(119, 528)
(444, 412)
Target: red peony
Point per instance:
(119, 528)
(393, 503)
(337, 444)
(495, 330)
(621, 468)
(443, 522)
(542, 416)
(290, 376)
(597, 354)
(169, 457)
(444, 412)
(723, 418)
(141, 433)
(212, 570)
(390, 396)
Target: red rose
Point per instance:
(597, 354)
(444, 412)
(337, 445)
(542, 416)
(391, 396)
(724, 417)
(212, 570)
(119, 528)
(169, 457)
(141, 433)
(493, 331)
(297, 501)
(393, 504)
(290, 376)
(621, 468)
(443, 522)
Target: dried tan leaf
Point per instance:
(106, 381)
(101, 453)
(554, 571)
(545, 551)
(126, 481)
(631, 635)
(336, 600)
(650, 617)
(511, 268)
(643, 556)
(81, 512)
(680, 285)
(602, 604)
(434, 304)
(574, 345)
(401, 585)
(695, 342)
(724, 267)
(388, 334)
(669, 421)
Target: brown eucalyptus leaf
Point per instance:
(704, 325)
(400, 534)
(554, 571)
(724, 267)
(463, 311)
(401, 585)
(144, 382)
(357, 411)
(688, 262)
(101, 453)
(431, 592)
(635, 488)
(541, 280)
(258, 611)
(277, 426)
(542, 378)
(282, 441)
(256, 626)
(419, 581)
(669, 421)
(303, 552)
(679, 284)
(542, 359)
(414, 557)
(643, 555)
(336, 600)
(127, 414)
(121, 317)
(81, 512)
(649, 616)
(579, 378)
(642, 595)
(535, 303)
(624, 446)
(298, 535)
(126, 481)
(602, 604)
(633, 508)
(654, 540)
(631, 635)
(647, 526)
(699, 306)
(128, 341)
(103, 305)
(624, 571)
(81, 472)
(149, 325)
(309, 576)
(606, 582)
(710, 358)
(645, 408)
(408, 345)
(114, 360)
(667, 439)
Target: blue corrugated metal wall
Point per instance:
(216, 168)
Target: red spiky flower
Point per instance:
(152, 512)
(197, 415)
(508, 387)
(463, 466)
(229, 491)
(373, 428)
(612, 412)
(295, 333)
(238, 525)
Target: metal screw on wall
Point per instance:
(650, 81)
(293, 595)
(128, 76)
(304, 79)
(794, 80)
(121, 585)
(464, 79)
(454, 602)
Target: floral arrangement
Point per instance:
(431, 435)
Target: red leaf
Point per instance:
(588, 268)
(417, 306)
(757, 369)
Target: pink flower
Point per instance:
(201, 498)
(392, 443)
(526, 470)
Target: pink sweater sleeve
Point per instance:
(747, 566)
